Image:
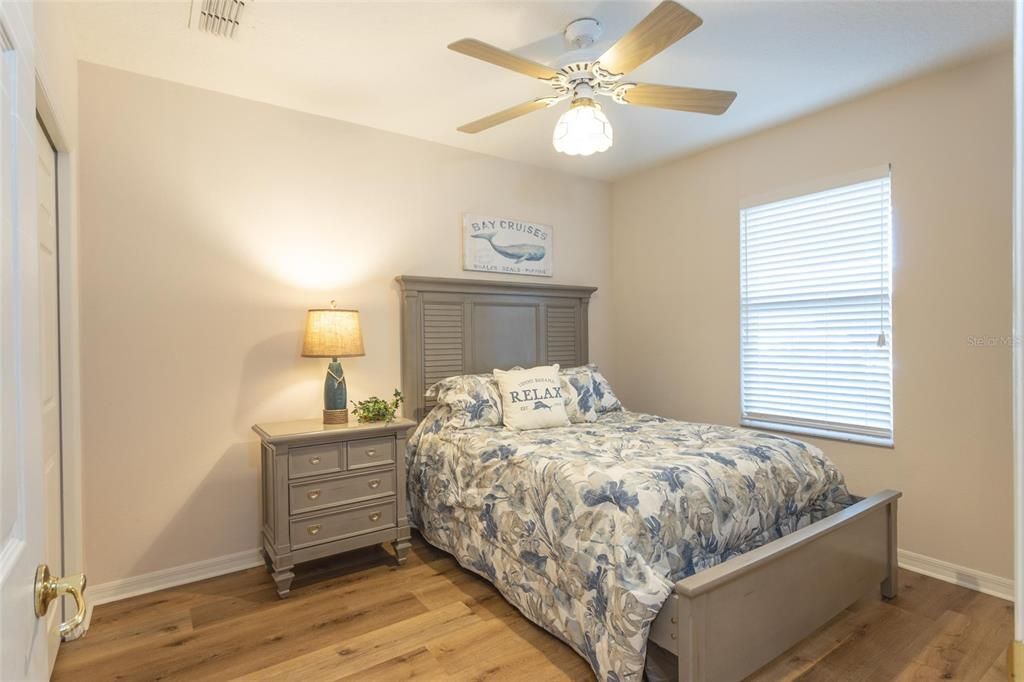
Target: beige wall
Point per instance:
(675, 291)
(209, 225)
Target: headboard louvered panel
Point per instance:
(462, 326)
(562, 339)
(443, 343)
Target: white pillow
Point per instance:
(532, 398)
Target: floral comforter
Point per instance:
(585, 528)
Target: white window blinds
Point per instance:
(815, 313)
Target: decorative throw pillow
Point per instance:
(473, 398)
(577, 387)
(531, 398)
(601, 395)
(606, 400)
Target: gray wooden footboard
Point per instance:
(727, 621)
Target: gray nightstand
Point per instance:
(330, 488)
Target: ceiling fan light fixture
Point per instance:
(582, 130)
(583, 74)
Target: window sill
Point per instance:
(859, 439)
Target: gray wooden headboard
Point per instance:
(465, 326)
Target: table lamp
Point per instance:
(333, 333)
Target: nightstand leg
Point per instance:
(401, 547)
(283, 580)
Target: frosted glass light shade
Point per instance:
(332, 333)
(583, 130)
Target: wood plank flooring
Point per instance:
(359, 617)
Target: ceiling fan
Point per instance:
(584, 129)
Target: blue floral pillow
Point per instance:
(606, 400)
(473, 398)
(590, 393)
(577, 387)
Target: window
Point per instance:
(815, 313)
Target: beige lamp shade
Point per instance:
(332, 333)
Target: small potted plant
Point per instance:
(375, 409)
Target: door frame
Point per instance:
(56, 123)
(1016, 655)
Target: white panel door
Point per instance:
(49, 366)
(24, 641)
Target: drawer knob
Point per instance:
(375, 516)
(673, 619)
(314, 529)
(314, 460)
(375, 483)
(673, 635)
(371, 453)
(313, 494)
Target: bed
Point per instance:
(722, 546)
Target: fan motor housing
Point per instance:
(584, 73)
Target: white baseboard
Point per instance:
(169, 577)
(211, 568)
(958, 575)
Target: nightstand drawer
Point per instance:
(314, 530)
(331, 492)
(370, 452)
(315, 459)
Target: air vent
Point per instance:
(219, 17)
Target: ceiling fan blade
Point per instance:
(681, 99)
(495, 55)
(506, 115)
(666, 24)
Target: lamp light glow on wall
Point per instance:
(583, 130)
(333, 333)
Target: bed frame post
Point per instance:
(691, 652)
(412, 354)
(890, 586)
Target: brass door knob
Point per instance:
(375, 516)
(375, 483)
(49, 588)
(313, 530)
(314, 460)
(313, 494)
(371, 453)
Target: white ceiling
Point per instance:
(385, 64)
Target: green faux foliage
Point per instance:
(375, 409)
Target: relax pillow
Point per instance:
(473, 399)
(531, 398)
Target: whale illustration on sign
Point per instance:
(514, 252)
(538, 405)
(514, 247)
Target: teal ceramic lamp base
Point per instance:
(335, 395)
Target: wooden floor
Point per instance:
(360, 617)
